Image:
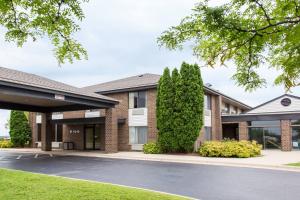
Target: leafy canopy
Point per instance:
(34, 19)
(248, 32)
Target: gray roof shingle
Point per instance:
(22, 78)
(138, 81)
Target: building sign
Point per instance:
(73, 131)
(59, 97)
(286, 102)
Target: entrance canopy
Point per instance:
(29, 92)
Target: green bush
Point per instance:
(151, 148)
(19, 129)
(230, 148)
(5, 144)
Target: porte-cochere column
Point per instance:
(46, 132)
(111, 131)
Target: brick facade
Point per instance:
(286, 136)
(122, 113)
(111, 131)
(75, 134)
(243, 131)
(216, 102)
(151, 105)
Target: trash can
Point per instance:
(68, 146)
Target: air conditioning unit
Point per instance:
(138, 111)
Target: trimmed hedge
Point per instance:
(230, 148)
(5, 144)
(151, 148)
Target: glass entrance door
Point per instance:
(92, 138)
(269, 137)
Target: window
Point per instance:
(226, 108)
(295, 134)
(56, 133)
(207, 132)
(138, 134)
(207, 102)
(137, 99)
(234, 110)
(39, 132)
(267, 133)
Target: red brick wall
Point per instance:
(76, 138)
(151, 105)
(33, 126)
(286, 135)
(243, 131)
(216, 102)
(122, 112)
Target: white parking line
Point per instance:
(50, 154)
(36, 155)
(18, 158)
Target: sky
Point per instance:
(121, 39)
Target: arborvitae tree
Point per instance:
(189, 106)
(20, 132)
(176, 111)
(164, 111)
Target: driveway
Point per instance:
(205, 182)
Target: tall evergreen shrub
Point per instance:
(164, 111)
(180, 105)
(20, 132)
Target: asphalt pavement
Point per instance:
(206, 182)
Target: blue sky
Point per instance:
(120, 36)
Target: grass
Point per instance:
(294, 164)
(19, 185)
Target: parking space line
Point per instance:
(50, 154)
(18, 158)
(36, 155)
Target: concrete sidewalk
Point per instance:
(270, 159)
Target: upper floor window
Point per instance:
(137, 99)
(226, 108)
(207, 102)
(234, 110)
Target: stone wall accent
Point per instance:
(286, 135)
(76, 137)
(151, 105)
(111, 131)
(216, 102)
(243, 131)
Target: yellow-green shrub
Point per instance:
(230, 148)
(151, 148)
(5, 144)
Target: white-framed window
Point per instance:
(207, 102)
(207, 132)
(138, 134)
(137, 99)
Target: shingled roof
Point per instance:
(143, 81)
(27, 79)
(129, 83)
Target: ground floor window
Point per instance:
(138, 134)
(207, 133)
(57, 132)
(269, 137)
(296, 137)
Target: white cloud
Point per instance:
(120, 36)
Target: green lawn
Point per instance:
(294, 164)
(18, 185)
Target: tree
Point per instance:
(189, 103)
(56, 19)
(249, 32)
(20, 132)
(164, 111)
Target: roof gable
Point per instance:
(276, 106)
